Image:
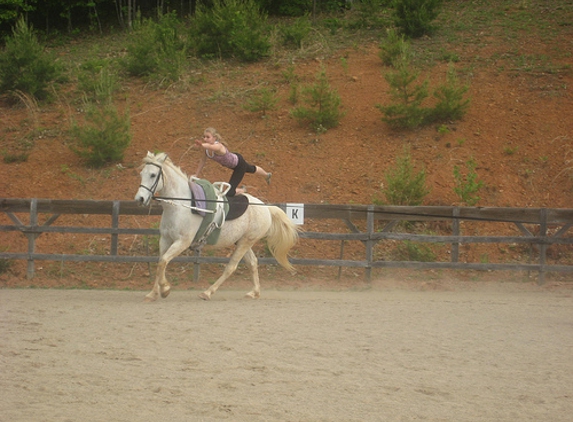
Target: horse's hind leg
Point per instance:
(251, 261)
(238, 254)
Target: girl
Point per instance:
(217, 151)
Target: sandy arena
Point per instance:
(486, 354)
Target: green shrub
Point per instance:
(451, 103)
(157, 49)
(289, 74)
(410, 251)
(9, 158)
(262, 101)
(104, 138)
(323, 105)
(368, 14)
(25, 66)
(141, 58)
(287, 8)
(171, 47)
(293, 93)
(407, 110)
(415, 17)
(394, 49)
(403, 185)
(333, 24)
(5, 265)
(231, 28)
(293, 34)
(97, 81)
(468, 186)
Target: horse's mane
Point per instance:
(162, 159)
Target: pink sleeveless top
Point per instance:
(228, 159)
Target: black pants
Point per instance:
(238, 174)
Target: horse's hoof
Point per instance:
(252, 295)
(149, 299)
(165, 292)
(204, 296)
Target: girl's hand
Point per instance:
(198, 142)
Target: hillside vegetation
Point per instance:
(511, 147)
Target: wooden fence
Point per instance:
(538, 229)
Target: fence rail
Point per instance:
(540, 228)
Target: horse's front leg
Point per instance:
(164, 244)
(161, 286)
(154, 293)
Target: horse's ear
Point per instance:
(150, 154)
(161, 157)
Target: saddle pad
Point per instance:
(198, 194)
(211, 204)
(237, 206)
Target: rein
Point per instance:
(172, 202)
(168, 200)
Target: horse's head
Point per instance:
(152, 178)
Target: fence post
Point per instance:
(197, 267)
(32, 237)
(543, 246)
(369, 242)
(115, 226)
(341, 257)
(456, 233)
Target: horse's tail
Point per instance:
(281, 237)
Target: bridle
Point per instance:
(153, 188)
(171, 201)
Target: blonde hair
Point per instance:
(216, 135)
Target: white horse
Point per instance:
(179, 225)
